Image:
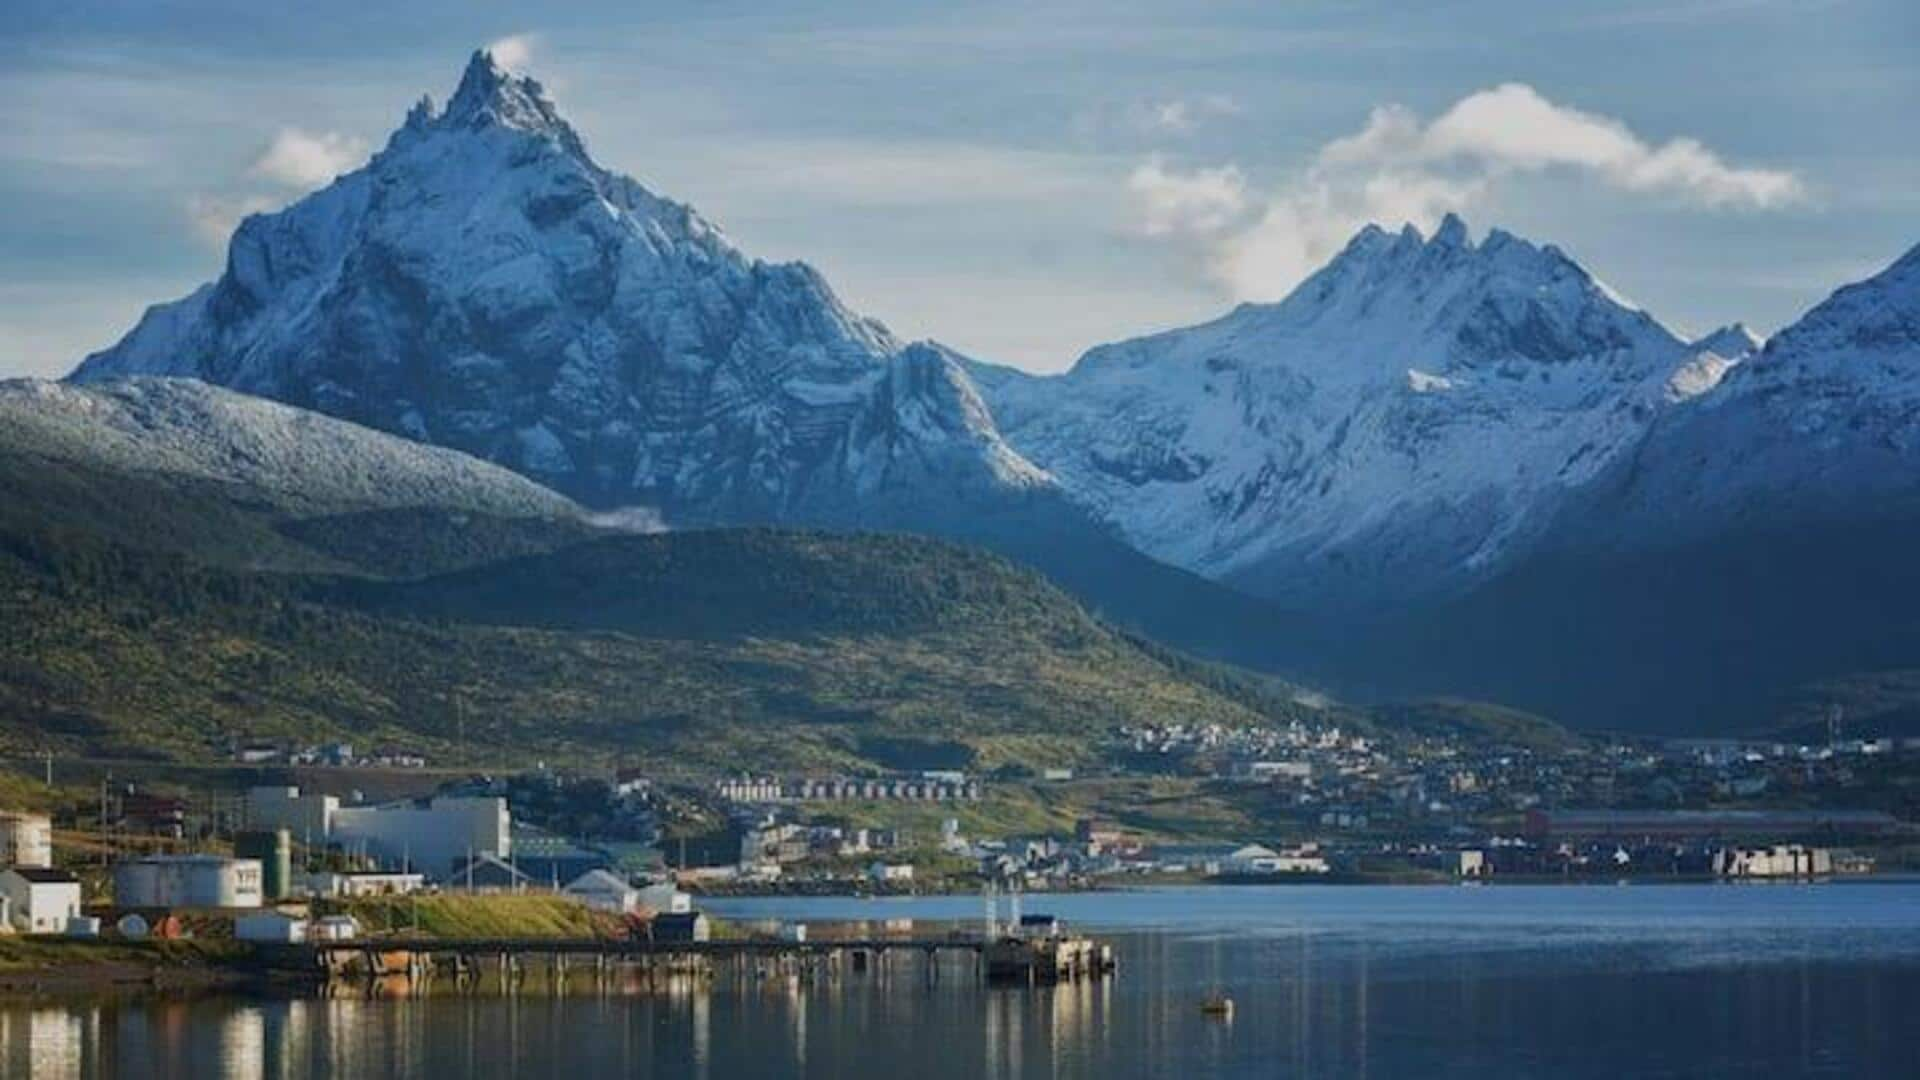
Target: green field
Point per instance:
(458, 916)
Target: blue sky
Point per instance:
(1020, 180)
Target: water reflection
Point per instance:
(1307, 1003)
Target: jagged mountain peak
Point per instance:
(1504, 296)
(491, 97)
(483, 283)
(1394, 301)
(488, 90)
(1731, 341)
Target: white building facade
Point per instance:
(429, 837)
(39, 900)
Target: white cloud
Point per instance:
(1178, 116)
(513, 52)
(295, 160)
(1513, 127)
(1400, 169)
(215, 217)
(301, 159)
(1200, 203)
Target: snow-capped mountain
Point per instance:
(1517, 483)
(299, 461)
(483, 284)
(1757, 540)
(1403, 421)
(1823, 421)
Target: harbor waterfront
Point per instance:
(1325, 981)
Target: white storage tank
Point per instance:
(193, 881)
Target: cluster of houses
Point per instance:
(335, 755)
(1099, 849)
(766, 845)
(933, 785)
(1401, 787)
(1598, 844)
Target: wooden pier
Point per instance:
(506, 961)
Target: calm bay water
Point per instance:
(1327, 981)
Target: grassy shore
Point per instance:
(454, 916)
(38, 964)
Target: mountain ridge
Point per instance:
(1411, 410)
(1427, 423)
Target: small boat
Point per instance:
(1217, 1004)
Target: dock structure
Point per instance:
(507, 960)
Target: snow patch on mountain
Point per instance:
(302, 461)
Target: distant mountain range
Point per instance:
(183, 567)
(1440, 465)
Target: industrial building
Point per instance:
(26, 840)
(427, 835)
(198, 881)
(334, 883)
(430, 836)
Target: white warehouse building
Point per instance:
(428, 835)
(198, 881)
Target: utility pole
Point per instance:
(49, 754)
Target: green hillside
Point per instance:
(725, 649)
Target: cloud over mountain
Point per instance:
(302, 159)
(1399, 168)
